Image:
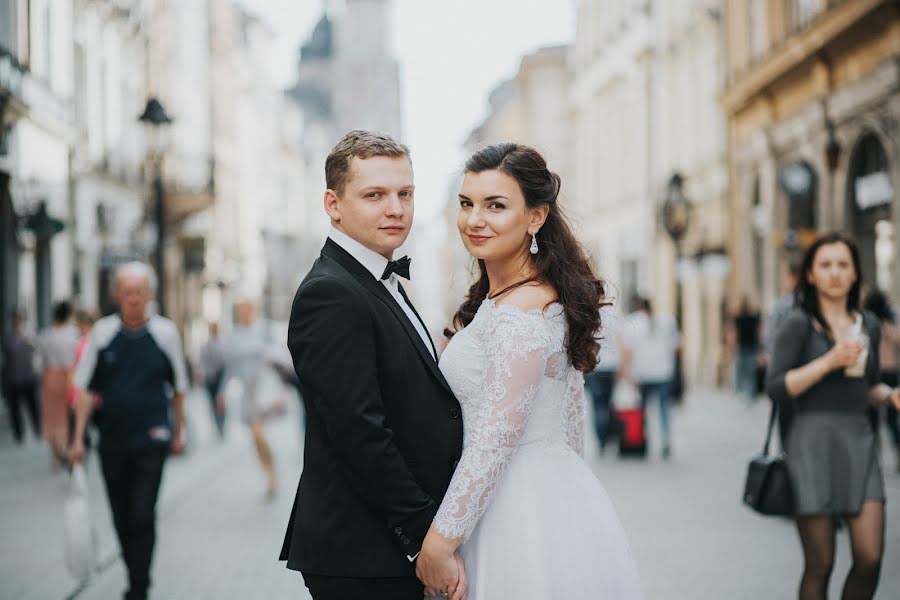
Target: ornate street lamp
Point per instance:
(676, 211)
(676, 218)
(157, 121)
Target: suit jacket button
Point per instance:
(454, 413)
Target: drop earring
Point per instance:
(534, 246)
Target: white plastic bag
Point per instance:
(80, 547)
(625, 396)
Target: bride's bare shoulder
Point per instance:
(529, 297)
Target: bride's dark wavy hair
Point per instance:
(562, 262)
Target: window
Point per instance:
(758, 29)
(81, 85)
(9, 20)
(870, 197)
(804, 12)
(799, 181)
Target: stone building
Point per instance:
(111, 221)
(647, 126)
(813, 108)
(36, 131)
(347, 78)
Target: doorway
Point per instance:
(9, 255)
(870, 197)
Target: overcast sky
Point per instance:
(451, 53)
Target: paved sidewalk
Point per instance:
(222, 539)
(691, 535)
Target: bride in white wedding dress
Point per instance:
(526, 514)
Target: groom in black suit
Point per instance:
(383, 429)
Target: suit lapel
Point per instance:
(421, 322)
(334, 251)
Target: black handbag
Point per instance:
(768, 489)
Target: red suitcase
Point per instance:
(633, 438)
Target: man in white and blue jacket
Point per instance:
(134, 363)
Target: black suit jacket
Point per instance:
(383, 429)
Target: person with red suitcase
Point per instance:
(649, 344)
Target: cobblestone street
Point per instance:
(218, 538)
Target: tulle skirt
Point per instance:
(550, 532)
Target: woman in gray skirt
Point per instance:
(824, 371)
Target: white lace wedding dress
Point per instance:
(537, 523)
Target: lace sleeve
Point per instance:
(575, 411)
(516, 357)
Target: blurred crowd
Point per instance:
(246, 368)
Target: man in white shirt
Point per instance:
(650, 342)
(383, 429)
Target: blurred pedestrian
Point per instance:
(780, 310)
(889, 355)
(601, 382)
(20, 381)
(746, 325)
(782, 307)
(212, 367)
(56, 347)
(244, 351)
(649, 344)
(84, 321)
(135, 362)
(826, 363)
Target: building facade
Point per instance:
(347, 78)
(614, 196)
(36, 132)
(111, 222)
(813, 108)
(646, 76)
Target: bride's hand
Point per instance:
(437, 567)
(462, 587)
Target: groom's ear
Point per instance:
(331, 206)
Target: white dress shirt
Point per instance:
(375, 264)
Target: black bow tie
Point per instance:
(399, 266)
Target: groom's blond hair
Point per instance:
(362, 144)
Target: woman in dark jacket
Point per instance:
(825, 371)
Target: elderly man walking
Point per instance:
(134, 363)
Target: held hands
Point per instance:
(440, 567)
(844, 354)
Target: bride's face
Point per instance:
(493, 220)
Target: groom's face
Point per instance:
(375, 208)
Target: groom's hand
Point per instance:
(438, 567)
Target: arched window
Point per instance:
(870, 184)
(870, 194)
